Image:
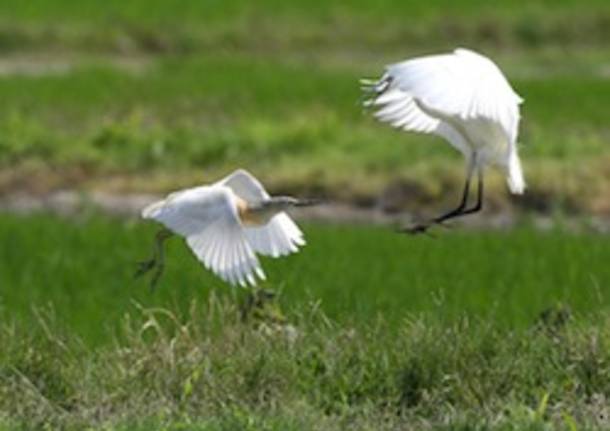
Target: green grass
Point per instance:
(123, 97)
(159, 11)
(196, 26)
(290, 124)
(310, 375)
(372, 331)
(84, 270)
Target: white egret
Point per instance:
(462, 97)
(225, 224)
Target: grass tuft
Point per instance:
(208, 368)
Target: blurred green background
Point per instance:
(149, 96)
(152, 95)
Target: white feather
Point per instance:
(208, 218)
(463, 97)
(279, 237)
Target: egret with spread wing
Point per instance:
(225, 224)
(462, 97)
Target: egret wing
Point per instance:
(400, 109)
(279, 237)
(189, 211)
(224, 249)
(207, 217)
(245, 185)
(428, 94)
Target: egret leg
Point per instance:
(459, 211)
(462, 210)
(157, 262)
(479, 205)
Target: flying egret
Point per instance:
(462, 97)
(225, 224)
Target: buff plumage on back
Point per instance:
(280, 236)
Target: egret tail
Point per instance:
(516, 183)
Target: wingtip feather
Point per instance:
(152, 211)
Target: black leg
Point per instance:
(459, 211)
(460, 208)
(479, 205)
(476, 208)
(157, 262)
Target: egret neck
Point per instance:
(259, 213)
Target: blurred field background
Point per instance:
(150, 96)
(143, 97)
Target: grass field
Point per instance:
(113, 98)
(85, 271)
(373, 326)
(370, 330)
(379, 309)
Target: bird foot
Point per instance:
(145, 266)
(417, 229)
(148, 265)
(422, 228)
(157, 262)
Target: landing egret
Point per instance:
(225, 224)
(462, 97)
